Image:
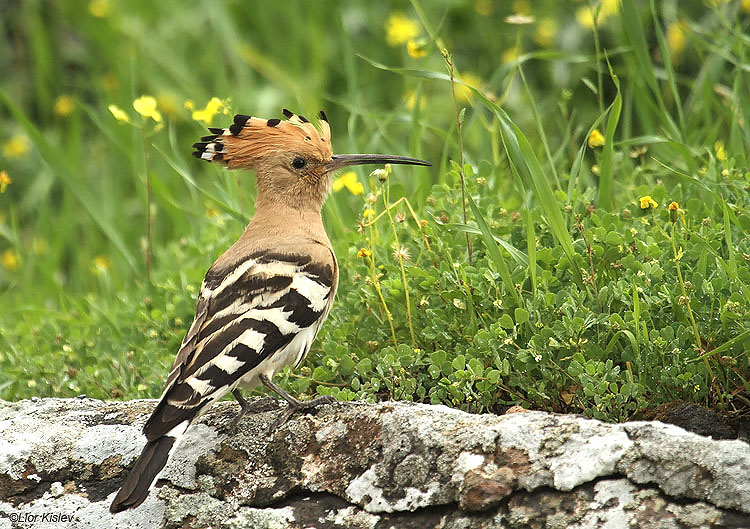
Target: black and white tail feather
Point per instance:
(252, 318)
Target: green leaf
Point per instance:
(506, 322)
(521, 315)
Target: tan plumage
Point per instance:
(263, 301)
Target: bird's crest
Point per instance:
(250, 139)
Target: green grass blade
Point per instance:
(517, 255)
(607, 168)
(523, 158)
(494, 251)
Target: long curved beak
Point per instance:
(343, 160)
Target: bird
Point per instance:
(263, 301)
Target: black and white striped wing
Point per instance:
(251, 318)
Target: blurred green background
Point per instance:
(85, 171)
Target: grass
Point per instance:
(520, 269)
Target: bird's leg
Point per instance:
(246, 407)
(295, 405)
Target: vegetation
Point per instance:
(581, 243)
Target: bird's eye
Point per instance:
(298, 162)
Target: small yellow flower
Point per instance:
(546, 31)
(363, 252)
(647, 202)
(16, 146)
(64, 105)
(745, 6)
(676, 36)
(213, 107)
(721, 153)
(167, 104)
(212, 213)
(416, 48)
(510, 55)
(348, 180)
(119, 114)
(9, 260)
(5, 181)
(463, 92)
(99, 8)
(146, 107)
(100, 264)
(596, 139)
(400, 29)
(410, 99)
(585, 15)
(673, 207)
(368, 213)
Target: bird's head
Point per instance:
(292, 158)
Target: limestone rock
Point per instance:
(368, 466)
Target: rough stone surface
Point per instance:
(368, 466)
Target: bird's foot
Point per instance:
(301, 406)
(294, 405)
(257, 406)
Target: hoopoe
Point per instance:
(263, 301)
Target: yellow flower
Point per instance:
(647, 202)
(167, 104)
(64, 105)
(585, 15)
(416, 48)
(596, 139)
(99, 8)
(463, 92)
(368, 213)
(721, 154)
(100, 264)
(16, 146)
(673, 207)
(399, 29)
(119, 114)
(545, 32)
(363, 252)
(9, 260)
(4, 181)
(146, 107)
(348, 180)
(745, 6)
(213, 107)
(510, 55)
(410, 99)
(676, 36)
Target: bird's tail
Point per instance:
(140, 480)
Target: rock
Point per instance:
(368, 466)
